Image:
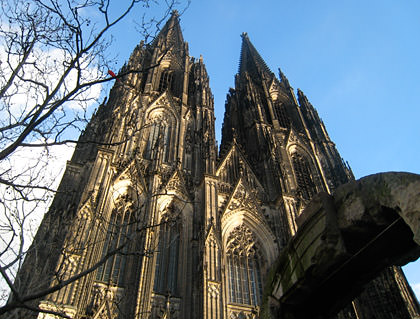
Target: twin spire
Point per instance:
(250, 60)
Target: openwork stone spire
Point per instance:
(250, 59)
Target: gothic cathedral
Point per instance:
(156, 223)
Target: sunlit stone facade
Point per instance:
(165, 226)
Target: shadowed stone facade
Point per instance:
(163, 225)
(345, 240)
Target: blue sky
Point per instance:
(356, 61)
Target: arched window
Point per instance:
(166, 143)
(152, 141)
(118, 233)
(244, 267)
(304, 179)
(281, 115)
(166, 271)
(165, 81)
(159, 139)
(188, 144)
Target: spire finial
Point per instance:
(250, 58)
(175, 13)
(171, 33)
(303, 100)
(283, 78)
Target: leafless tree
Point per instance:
(54, 59)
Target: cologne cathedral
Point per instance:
(155, 222)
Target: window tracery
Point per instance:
(159, 138)
(166, 271)
(165, 81)
(188, 145)
(305, 184)
(120, 227)
(281, 115)
(244, 267)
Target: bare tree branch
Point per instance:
(52, 54)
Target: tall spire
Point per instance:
(171, 32)
(251, 60)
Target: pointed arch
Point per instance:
(256, 224)
(166, 80)
(303, 174)
(158, 141)
(304, 171)
(281, 114)
(244, 261)
(119, 229)
(160, 135)
(167, 254)
(249, 248)
(305, 184)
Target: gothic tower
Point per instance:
(155, 224)
(286, 145)
(127, 205)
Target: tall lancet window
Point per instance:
(158, 140)
(304, 179)
(119, 230)
(166, 271)
(281, 115)
(244, 267)
(165, 81)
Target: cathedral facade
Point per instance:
(151, 221)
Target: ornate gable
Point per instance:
(166, 101)
(176, 184)
(244, 207)
(276, 90)
(244, 197)
(235, 166)
(274, 86)
(131, 168)
(213, 236)
(295, 138)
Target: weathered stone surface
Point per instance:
(362, 201)
(342, 242)
(203, 229)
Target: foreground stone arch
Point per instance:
(343, 241)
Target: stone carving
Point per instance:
(188, 139)
(177, 184)
(165, 307)
(140, 115)
(213, 289)
(244, 198)
(160, 117)
(241, 241)
(242, 314)
(104, 303)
